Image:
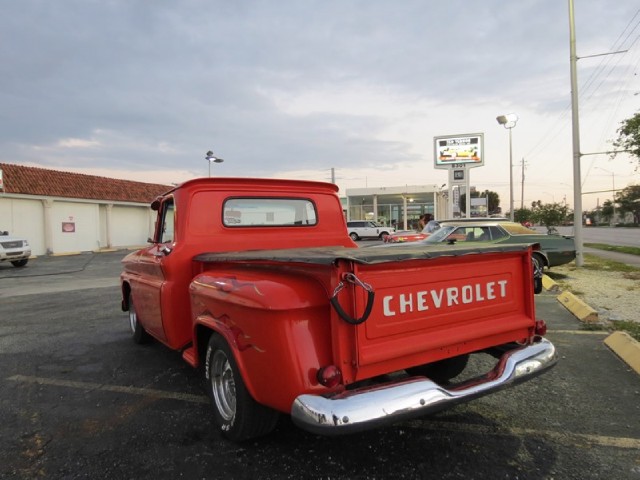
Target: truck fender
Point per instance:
(264, 315)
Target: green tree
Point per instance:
(628, 201)
(628, 139)
(522, 215)
(494, 200)
(606, 212)
(549, 214)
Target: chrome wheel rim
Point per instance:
(538, 268)
(223, 385)
(133, 320)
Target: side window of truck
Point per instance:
(167, 222)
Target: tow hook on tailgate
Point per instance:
(351, 278)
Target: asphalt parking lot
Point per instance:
(80, 400)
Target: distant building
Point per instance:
(399, 206)
(63, 212)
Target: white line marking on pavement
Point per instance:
(147, 392)
(578, 439)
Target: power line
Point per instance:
(562, 121)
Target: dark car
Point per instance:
(554, 249)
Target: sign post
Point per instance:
(459, 154)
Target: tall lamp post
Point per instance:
(613, 192)
(212, 158)
(508, 121)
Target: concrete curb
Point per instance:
(625, 347)
(577, 307)
(581, 310)
(620, 343)
(549, 284)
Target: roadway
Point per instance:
(626, 237)
(80, 400)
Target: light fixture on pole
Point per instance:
(613, 192)
(212, 158)
(508, 121)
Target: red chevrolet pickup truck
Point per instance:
(258, 282)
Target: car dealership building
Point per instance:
(399, 206)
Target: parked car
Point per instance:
(405, 236)
(14, 249)
(554, 249)
(359, 229)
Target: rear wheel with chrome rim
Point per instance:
(138, 333)
(238, 416)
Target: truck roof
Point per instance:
(261, 184)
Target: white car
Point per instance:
(14, 249)
(359, 229)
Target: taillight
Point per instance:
(541, 328)
(329, 376)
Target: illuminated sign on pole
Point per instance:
(459, 150)
(458, 154)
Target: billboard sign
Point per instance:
(459, 151)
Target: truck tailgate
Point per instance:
(426, 311)
(403, 306)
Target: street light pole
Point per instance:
(212, 158)
(509, 121)
(511, 216)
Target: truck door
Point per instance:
(148, 289)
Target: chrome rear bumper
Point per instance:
(365, 408)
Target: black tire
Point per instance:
(443, 370)
(138, 333)
(538, 269)
(237, 415)
(20, 263)
(354, 236)
(538, 261)
(383, 235)
(537, 285)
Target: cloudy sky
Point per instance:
(143, 89)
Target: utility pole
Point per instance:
(522, 187)
(577, 179)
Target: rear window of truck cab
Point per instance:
(268, 212)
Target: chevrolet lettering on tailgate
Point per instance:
(444, 297)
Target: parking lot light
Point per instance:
(509, 121)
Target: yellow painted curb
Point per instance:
(576, 306)
(549, 284)
(626, 348)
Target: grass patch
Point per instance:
(593, 262)
(632, 328)
(614, 248)
(562, 275)
(594, 327)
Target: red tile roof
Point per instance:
(53, 183)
